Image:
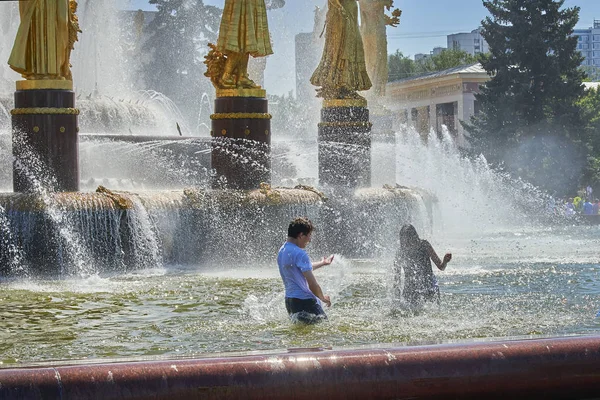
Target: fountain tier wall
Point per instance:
(84, 233)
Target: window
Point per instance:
(596, 54)
(596, 38)
(596, 45)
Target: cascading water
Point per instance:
(15, 265)
(147, 251)
(72, 253)
(5, 162)
(75, 235)
(472, 197)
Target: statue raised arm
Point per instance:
(44, 39)
(243, 32)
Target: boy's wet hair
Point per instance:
(300, 225)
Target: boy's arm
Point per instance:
(325, 261)
(315, 288)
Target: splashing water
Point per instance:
(164, 106)
(102, 35)
(148, 165)
(472, 197)
(15, 265)
(202, 128)
(74, 246)
(147, 250)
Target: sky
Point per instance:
(424, 25)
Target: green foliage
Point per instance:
(291, 117)
(173, 55)
(592, 73)
(449, 58)
(401, 67)
(590, 109)
(529, 119)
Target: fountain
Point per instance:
(157, 278)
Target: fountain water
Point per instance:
(473, 197)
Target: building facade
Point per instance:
(588, 43)
(472, 43)
(433, 100)
(434, 52)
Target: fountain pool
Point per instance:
(503, 284)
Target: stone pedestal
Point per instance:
(241, 142)
(344, 143)
(45, 140)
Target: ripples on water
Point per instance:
(502, 285)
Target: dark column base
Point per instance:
(344, 147)
(241, 143)
(45, 140)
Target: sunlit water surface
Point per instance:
(519, 283)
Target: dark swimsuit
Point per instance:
(420, 283)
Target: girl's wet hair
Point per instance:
(408, 235)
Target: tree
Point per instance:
(592, 72)
(173, 54)
(590, 108)
(448, 58)
(529, 119)
(401, 67)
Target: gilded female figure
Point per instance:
(373, 23)
(244, 31)
(342, 70)
(41, 49)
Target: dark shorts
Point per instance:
(308, 311)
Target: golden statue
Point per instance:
(342, 70)
(138, 23)
(243, 32)
(74, 31)
(44, 41)
(373, 22)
